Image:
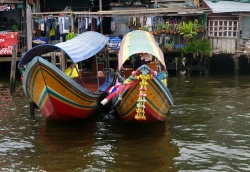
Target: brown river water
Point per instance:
(208, 129)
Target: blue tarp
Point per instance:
(114, 42)
(82, 47)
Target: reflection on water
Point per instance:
(99, 144)
(207, 130)
(211, 123)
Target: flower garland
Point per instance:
(142, 96)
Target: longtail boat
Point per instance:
(65, 95)
(141, 95)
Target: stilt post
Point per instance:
(13, 70)
(236, 65)
(32, 108)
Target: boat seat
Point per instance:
(100, 68)
(152, 65)
(128, 72)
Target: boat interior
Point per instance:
(94, 78)
(128, 69)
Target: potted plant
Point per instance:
(187, 30)
(170, 46)
(149, 29)
(143, 28)
(167, 24)
(197, 26)
(178, 28)
(163, 28)
(70, 35)
(201, 27)
(159, 26)
(155, 32)
(175, 28)
(170, 27)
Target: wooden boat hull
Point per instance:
(157, 104)
(58, 96)
(143, 97)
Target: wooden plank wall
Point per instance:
(222, 45)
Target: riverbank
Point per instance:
(220, 64)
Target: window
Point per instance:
(222, 28)
(245, 27)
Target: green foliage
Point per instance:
(169, 26)
(197, 47)
(70, 35)
(163, 26)
(187, 29)
(145, 28)
(159, 25)
(170, 45)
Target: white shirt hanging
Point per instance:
(64, 24)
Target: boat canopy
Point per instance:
(81, 47)
(139, 41)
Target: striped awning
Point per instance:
(139, 41)
(81, 47)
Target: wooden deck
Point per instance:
(8, 58)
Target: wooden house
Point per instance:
(226, 22)
(169, 10)
(228, 27)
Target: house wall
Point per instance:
(243, 42)
(223, 31)
(229, 33)
(245, 27)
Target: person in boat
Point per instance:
(143, 58)
(140, 59)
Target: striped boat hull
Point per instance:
(57, 96)
(157, 105)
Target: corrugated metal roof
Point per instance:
(227, 6)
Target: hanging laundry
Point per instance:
(52, 32)
(98, 21)
(155, 21)
(93, 23)
(142, 22)
(90, 21)
(64, 25)
(86, 23)
(50, 23)
(134, 21)
(149, 23)
(81, 25)
(42, 26)
(113, 26)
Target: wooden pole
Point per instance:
(156, 4)
(176, 66)
(29, 26)
(13, 70)
(63, 61)
(236, 65)
(100, 5)
(32, 108)
(97, 78)
(38, 6)
(100, 8)
(53, 57)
